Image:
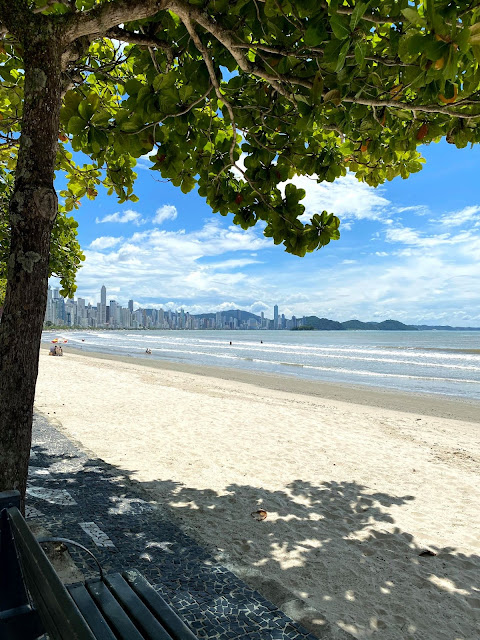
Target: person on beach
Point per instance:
(148, 351)
(59, 351)
(230, 342)
(53, 350)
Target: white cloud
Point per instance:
(166, 212)
(458, 218)
(122, 217)
(202, 266)
(418, 209)
(231, 264)
(104, 242)
(346, 197)
(416, 238)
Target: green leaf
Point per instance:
(416, 44)
(315, 34)
(342, 56)
(185, 92)
(360, 53)
(414, 17)
(85, 109)
(164, 81)
(133, 86)
(339, 27)
(333, 96)
(476, 52)
(357, 14)
(317, 88)
(76, 125)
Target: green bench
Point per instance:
(33, 600)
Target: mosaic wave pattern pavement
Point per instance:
(96, 505)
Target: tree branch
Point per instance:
(142, 39)
(104, 17)
(424, 108)
(214, 80)
(187, 12)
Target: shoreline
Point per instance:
(433, 405)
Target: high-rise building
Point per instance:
(102, 307)
(130, 306)
(275, 316)
(112, 313)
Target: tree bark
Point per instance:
(32, 212)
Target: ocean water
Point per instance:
(438, 362)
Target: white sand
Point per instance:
(353, 493)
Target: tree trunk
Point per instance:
(32, 212)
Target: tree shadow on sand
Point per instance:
(330, 555)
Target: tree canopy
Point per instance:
(238, 96)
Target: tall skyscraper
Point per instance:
(130, 306)
(102, 306)
(275, 316)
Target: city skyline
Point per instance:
(76, 313)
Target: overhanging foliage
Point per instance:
(239, 96)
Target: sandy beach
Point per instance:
(356, 483)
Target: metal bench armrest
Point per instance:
(67, 541)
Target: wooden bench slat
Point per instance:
(90, 612)
(113, 612)
(12, 588)
(171, 621)
(137, 610)
(55, 607)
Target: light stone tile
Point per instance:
(53, 496)
(160, 545)
(31, 512)
(99, 537)
(128, 506)
(38, 472)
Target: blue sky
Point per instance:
(409, 250)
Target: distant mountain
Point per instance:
(386, 325)
(241, 316)
(322, 324)
(427, 327)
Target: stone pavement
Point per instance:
(78, 497)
